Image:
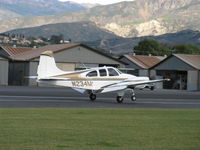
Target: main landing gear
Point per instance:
(133, 98)
(120, 97)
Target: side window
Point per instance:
(102, 72)
(92, 74)
(112, 72)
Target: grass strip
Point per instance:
(99, 129)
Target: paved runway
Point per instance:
(34, 97)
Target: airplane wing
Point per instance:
(128, 84)
(54, 78)
(132, 85)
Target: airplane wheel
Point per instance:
(120, 99)
(92, 97)
(133, 98)
(152, 88)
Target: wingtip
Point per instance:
(167, 79)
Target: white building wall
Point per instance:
(192, 79)
(33, 72)
(199, 82)
(83, 55)
(66, 66)
(152, 74)
(3, 71)
(144, 73)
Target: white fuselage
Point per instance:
(90, 81)
(82, 80)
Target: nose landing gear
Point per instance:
(93, 97)
(120, 99)
(120, 96)
(133, 98)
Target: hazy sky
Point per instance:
(103, 2)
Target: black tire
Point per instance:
(120, 99)
(93, 97)
(152, 88)
(133, 98)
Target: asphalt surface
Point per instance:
(43, 97)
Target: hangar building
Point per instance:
(3, 70)
(6, 52)
(67, 56)
(140, 64)
(183, 70)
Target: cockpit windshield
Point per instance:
(112, 72)
(119, 71)
(92, 74)
(102, 72)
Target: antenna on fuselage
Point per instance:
(84, 66)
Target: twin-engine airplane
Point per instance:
(91, 81)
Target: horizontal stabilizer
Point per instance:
(54, 78)
(31, 77)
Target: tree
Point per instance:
(186, 49)
(56, 39)
(151, 46)
(43, 38)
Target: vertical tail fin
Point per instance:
(47, 66)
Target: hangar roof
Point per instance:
(145, 62)
(192, 60)
(35, 52)
(10, 50)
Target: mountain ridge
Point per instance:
(37, 7)
(125, 45)
(126, 19)
(76, 32)
(88, 33)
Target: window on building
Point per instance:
(112, 72)
(92, 74)
(103, 72)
